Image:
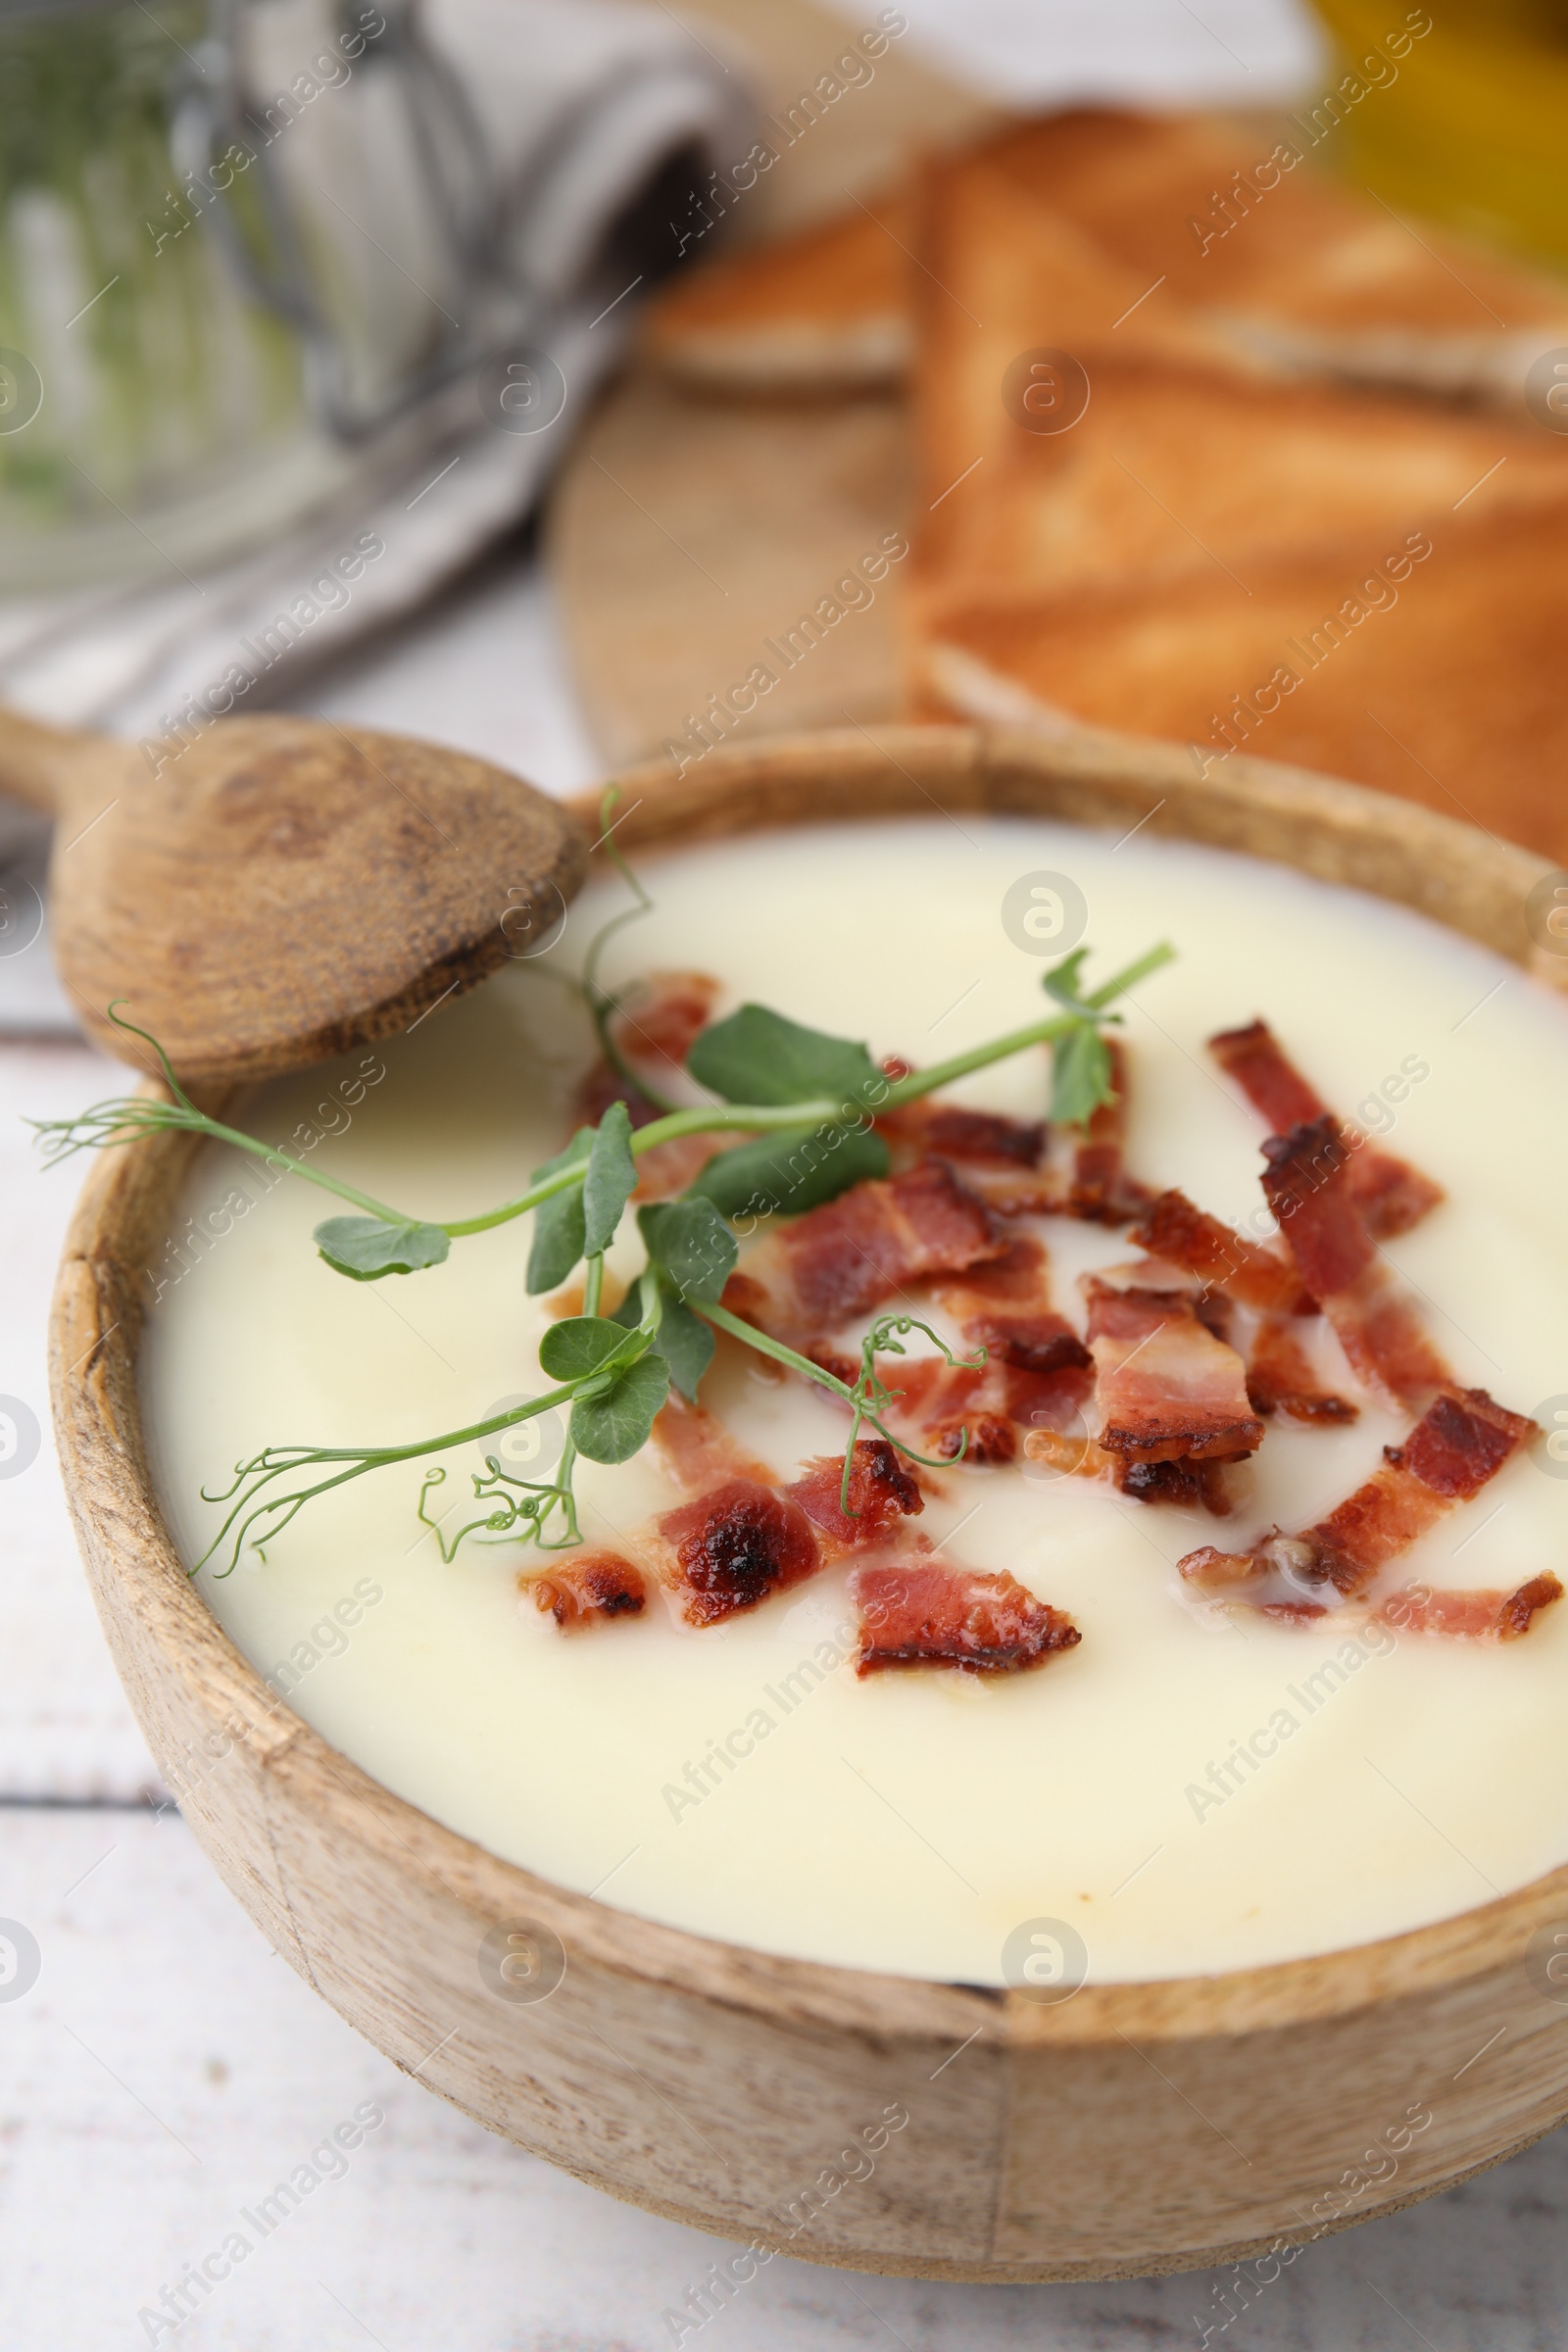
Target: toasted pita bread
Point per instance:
(1452, 694)
(826, 312)
(1251, 234)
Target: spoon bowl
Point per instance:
(281, 888)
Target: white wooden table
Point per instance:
(166, 2069)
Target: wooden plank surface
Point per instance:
(167, 2071)
(440, 2238)
(65, 1730)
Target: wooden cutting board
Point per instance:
(686, 532)
(690, 538)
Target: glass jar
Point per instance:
(151, 411)
(236, 238)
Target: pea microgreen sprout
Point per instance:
(257, 1517)
(805, 1102)
(601, 1004)
(527, 1508)
(799, 1087)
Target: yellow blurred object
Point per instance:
(1462, 112)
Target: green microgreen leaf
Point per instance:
(558, 1224)
(1079, 1058)
(691, 1245)
(758, 1056)
(580, 1346)
(792, 1170)
(609, 1180)
(1080, 1076)
(364, 1248)
(1061, 982)
(682, 1339)
(613, 1423)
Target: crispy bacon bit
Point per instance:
(1069, 1453)
(917, 1612)
(730, 1548)
(661, 1018)
(1280, 1378)
(881, 1494)
(1166, 1386)
(946, 1130)
(1102, 1191)
(982, 1412)
(1187, 1237)
(653, 1030)
(667, 1169)
(1215, 1571)
(1272, 1084)
(1307, 1185)
(587, 1588)
(700, 1450)
(1478, 1616)
(1002, 1160)
(1200, 1486)
(1460, 1442)
(855, 1253)
(1390, 1193)
(1005, 1306)
(956, 1409)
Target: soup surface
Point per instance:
(743, 1780)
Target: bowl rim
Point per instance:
(1342, 833)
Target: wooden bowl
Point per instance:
(1133, 2129)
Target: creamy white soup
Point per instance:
(1198, 1784)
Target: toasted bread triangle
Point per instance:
(827, 311)
(1177, 467)
(1251, 233)
(1436, 677)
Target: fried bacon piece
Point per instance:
(1100, 1189)
(1036, 1374)
(700, 1450)
(982, 1412)
(1002, 1160)
(1280, 1379)
(917, 1612)
(1196, 1484)
(851, 1255)
(1167, 1388)
(1307, 1184)
(1462, 1441)
(1477, 1615)
(935, 1130)
(1390, 1193)
(881, 1494)
(654, 1029)
(1186, 1236)
(730, 1548)
(588, 1586)
(1005, 1306)
(744, 1535)
(738, 1539)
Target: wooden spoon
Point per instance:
(281, 888)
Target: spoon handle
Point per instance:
(39, 764)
